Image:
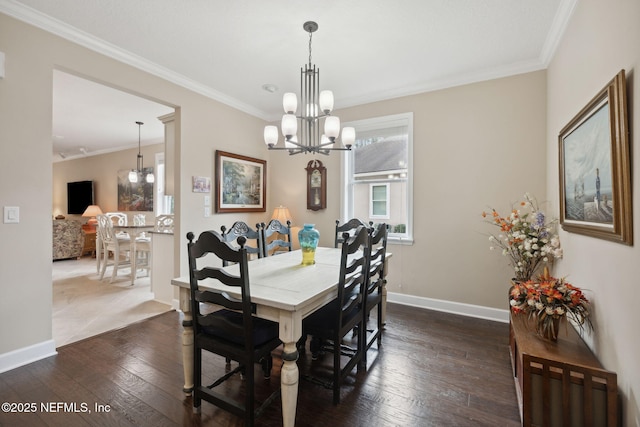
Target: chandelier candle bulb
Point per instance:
(332, 127)
(348, 136)
(271, 135)
(289, 125)
(325, 142)
(290, 102)
(291, 142)
(326, 101)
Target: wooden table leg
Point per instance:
(134, 259)
(289, 376)
(187, 341)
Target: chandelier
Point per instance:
(133, 174)
(315, 106)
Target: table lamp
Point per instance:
(92, 211)
(282, 214)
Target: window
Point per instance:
(379, 201)
(377, 175)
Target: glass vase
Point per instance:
(308, 238)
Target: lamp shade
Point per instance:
(92, 210)
(332, 127)
(289, 125)
(290, 102)
(348, 136)
(289, 142)
(282, 214)
(270, 135)
(326, 101)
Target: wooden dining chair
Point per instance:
(110, 241)
(231, 331)
(348, 227)
(373, 292)
(164, 223)
(282, 240)
(117, 218)
(335, 320)
(241, 229)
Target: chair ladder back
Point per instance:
(118, 218)
(276, 227)
(378, 255)
(210, 242)
(349, 227)
(164, 223)
(353, 271)
(105, 230)
(241, 229)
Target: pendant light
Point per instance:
(133, 174)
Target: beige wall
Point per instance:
(475, 145)
(103, 171)
(584, 63)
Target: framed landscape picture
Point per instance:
(240, 183)
(135, 196)
(595, 176)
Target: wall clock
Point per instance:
(316, 185)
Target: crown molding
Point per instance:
(68, 32)
(558, 27)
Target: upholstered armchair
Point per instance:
(68, 239)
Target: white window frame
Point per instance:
(346, 188)
(371, 200)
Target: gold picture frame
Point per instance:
(241, 183)
(595, 170)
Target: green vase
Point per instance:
(308, 238)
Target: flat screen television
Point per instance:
(79, 196)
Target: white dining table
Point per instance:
(283, 291)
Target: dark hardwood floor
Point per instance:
(434, 369)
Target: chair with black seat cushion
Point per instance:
(335, 320)
(254, 244)
(375, 283)
(348, 227)
(232, 331)
(281, 243)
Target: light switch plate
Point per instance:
(207, 200)
(11, 214)
(207, 213)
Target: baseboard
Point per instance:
(470, 310)
(26, 355)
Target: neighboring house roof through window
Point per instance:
(385, 155)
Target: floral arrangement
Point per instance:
(548, 299)
(527, 238)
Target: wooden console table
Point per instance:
(89, 239)
(560, 383)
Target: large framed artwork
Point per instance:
(135, 196)
(240, 183)
(595, 175)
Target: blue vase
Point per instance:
(308, 238)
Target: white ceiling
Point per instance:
(367, 50)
